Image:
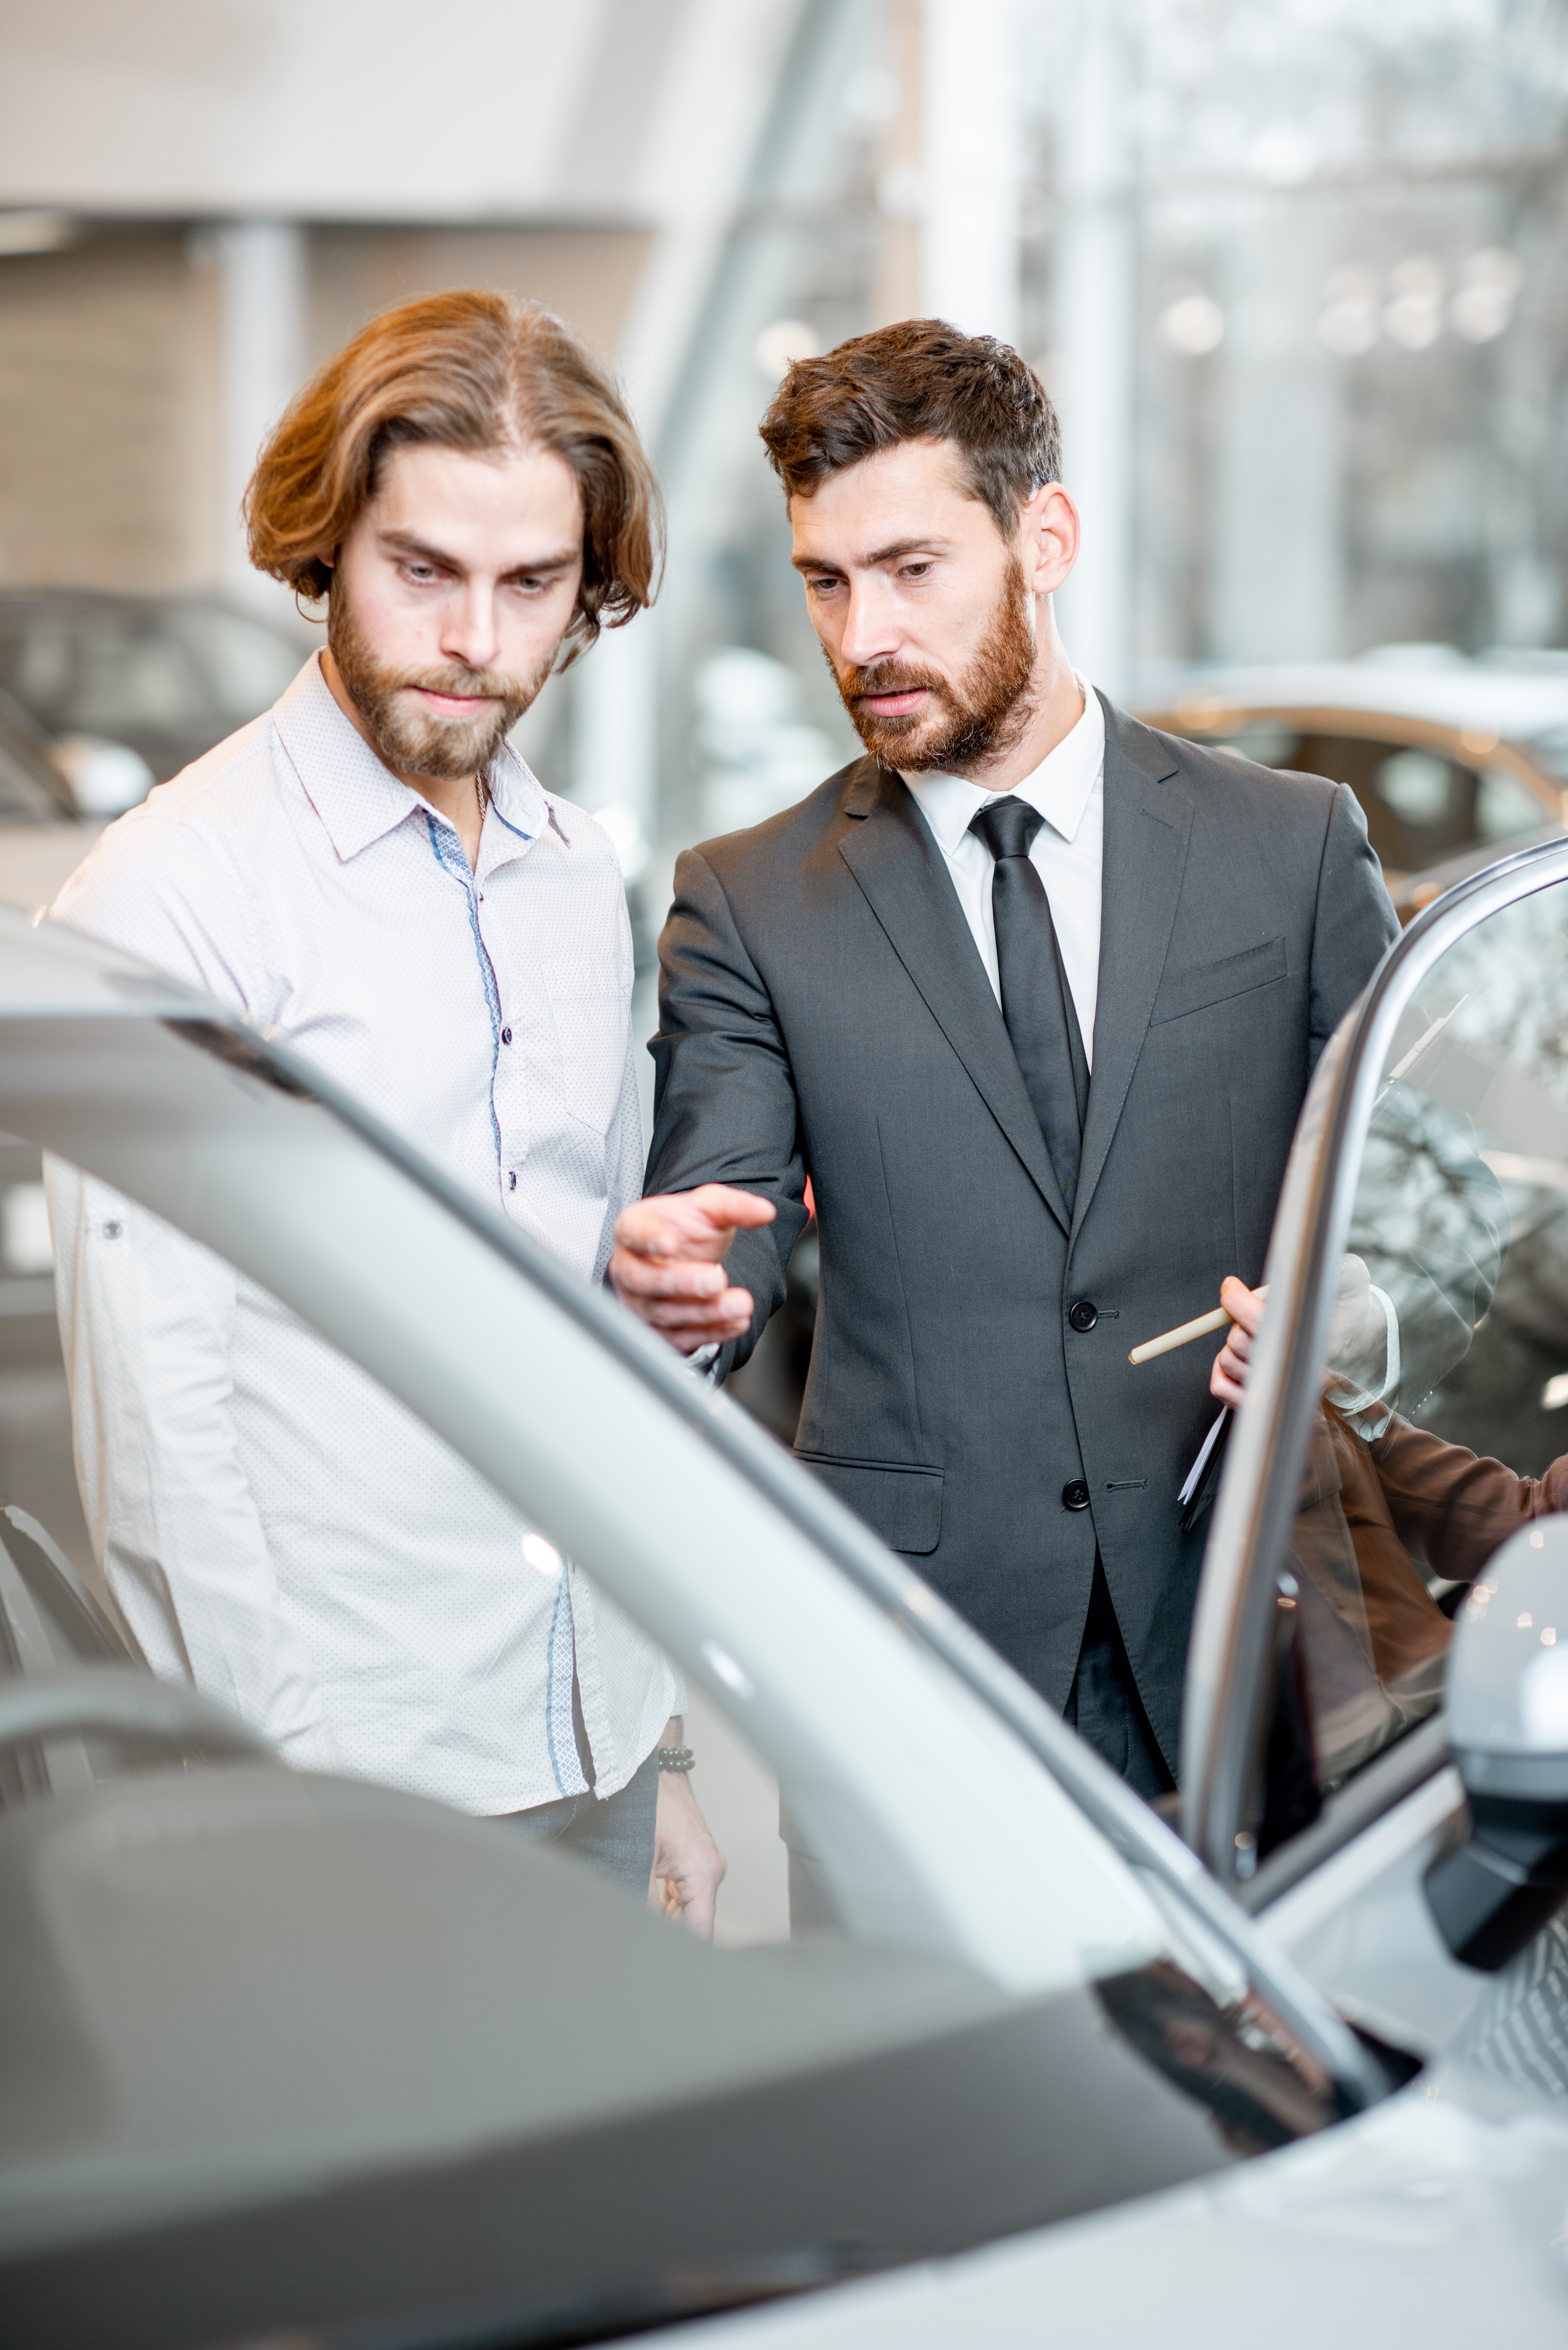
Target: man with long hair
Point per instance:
(372, 874)
(1030, 995)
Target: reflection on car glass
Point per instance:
(1437, 1433)
(1260, 2088)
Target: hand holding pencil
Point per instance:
(1240, 1310)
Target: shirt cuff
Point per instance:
(1368, 1409)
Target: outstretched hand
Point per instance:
(667, 1264)
(1228, 1380)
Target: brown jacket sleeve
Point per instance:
(1451, 1507)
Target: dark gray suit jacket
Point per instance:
(823, 1013)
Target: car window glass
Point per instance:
(1422, 807)
(36, 661)
(1506, 808)
(1441, 1418)
(244, 666)
(128, 672)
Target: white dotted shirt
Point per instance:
(272, 1524)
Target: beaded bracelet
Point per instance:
(680, 1759)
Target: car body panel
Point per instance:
(1439, 2218)
(845, 2107)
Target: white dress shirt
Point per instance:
(273, 1525)
(1068, 789)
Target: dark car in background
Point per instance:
(163, 677)
(1454, 762)
(103, 696)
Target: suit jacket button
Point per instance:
(1075, 1496)
(1082, 1316)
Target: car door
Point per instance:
(1405, 1410)
(300, 2053)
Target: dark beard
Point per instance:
(983, 715)
(414, 741)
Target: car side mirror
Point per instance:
(1507, 1713)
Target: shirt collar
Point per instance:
(359, 800)
(1060, 786)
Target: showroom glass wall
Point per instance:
(1293, 271)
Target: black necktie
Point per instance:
(1036, 1000)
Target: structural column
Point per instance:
(1096, 295)
(970, 165)
(263, 263)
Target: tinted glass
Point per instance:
(243, 665)
(1442, 1413)
(1421, 807)
(187, 671)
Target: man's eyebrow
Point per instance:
(881, 555)
(405, 542)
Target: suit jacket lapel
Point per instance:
(1147, 819)
(906, 882)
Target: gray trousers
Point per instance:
(614, 1837)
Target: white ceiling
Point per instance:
(365, 109)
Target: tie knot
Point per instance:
(1008, 827)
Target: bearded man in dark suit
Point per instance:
(1031, 993)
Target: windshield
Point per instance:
(1441, 1414)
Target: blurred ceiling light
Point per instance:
(1349, 323)
(1194, 324)
(1415, 315)
(871, 98)
(780, 345)
(1483, 308)
(36, 232)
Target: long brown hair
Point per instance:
(469, 371)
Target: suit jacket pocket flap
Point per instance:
(1213, 982)
(901, 1503)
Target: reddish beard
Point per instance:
(981, 713)
(413, 740)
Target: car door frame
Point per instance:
(1226, 1694)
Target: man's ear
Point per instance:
(1050, 529)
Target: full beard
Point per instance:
(416, 742)
(979, 716)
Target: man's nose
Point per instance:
(469, 631)
(870, 630)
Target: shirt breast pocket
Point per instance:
(590, 1005)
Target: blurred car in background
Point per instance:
(1455, 761)
(103, 696)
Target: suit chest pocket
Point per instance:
(1203, 984)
